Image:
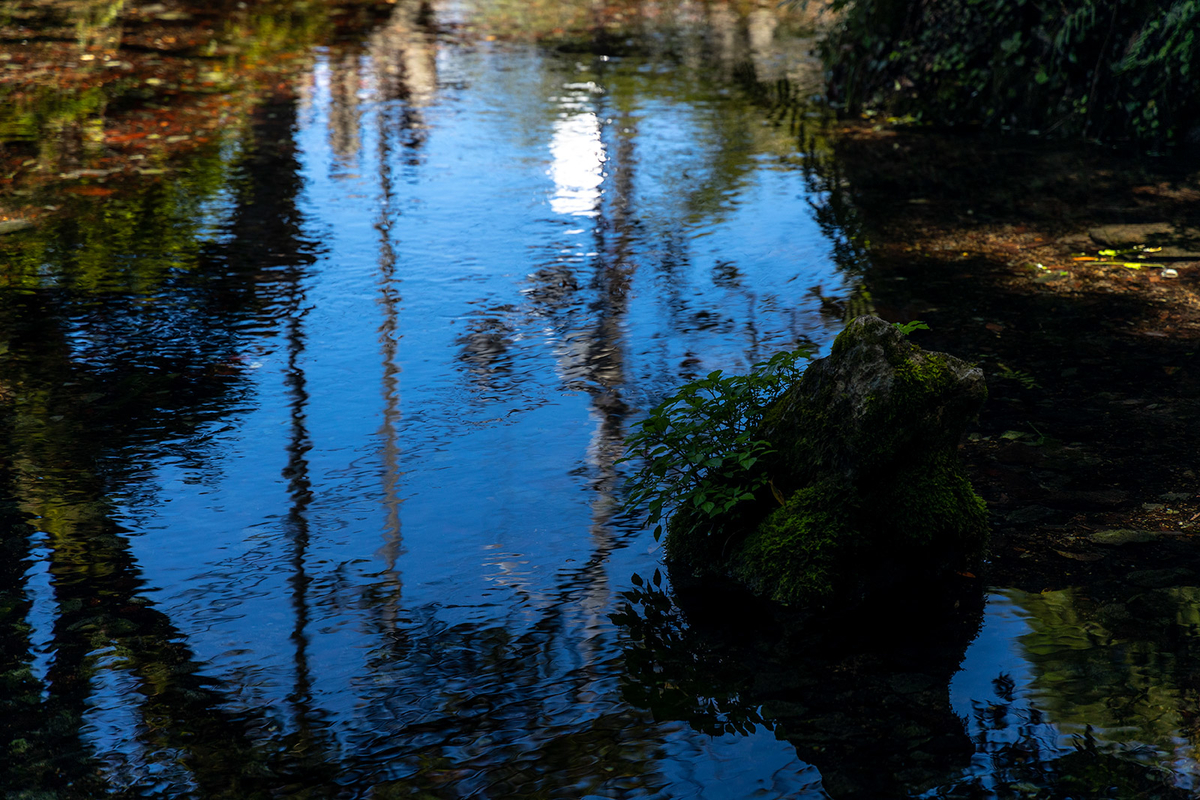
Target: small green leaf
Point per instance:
(909, 327)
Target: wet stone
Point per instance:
(1131, 234)
(14, 225)
(1120, 536)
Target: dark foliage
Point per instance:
(1112, 70)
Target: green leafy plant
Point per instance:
(1117, 70)
(909, 327)
(700, 450)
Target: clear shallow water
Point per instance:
(324, 497)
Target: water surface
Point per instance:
(315, 473)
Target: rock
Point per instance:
(14, 225)
(1174, 252)
(1172, 240)
(866, 463)
(1120, 536)
(1131, 234)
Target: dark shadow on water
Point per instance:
(865, 698)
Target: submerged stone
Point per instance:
(867, 492)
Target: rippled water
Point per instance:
(325, 498)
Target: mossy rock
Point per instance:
(865, 459)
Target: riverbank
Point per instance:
(1072, 275)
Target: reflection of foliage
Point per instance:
(724, 663)
(539, 18)
(1024, 769)
(140, 80)
(586, 23)
(1109, 70)
(1027, 757)
(672, 675)
(723, 669)
(1122, 665)
(487, 711)
(833, 207)
(46, 110)
(133, 243)
(102, 357)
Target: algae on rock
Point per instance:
(867, 493)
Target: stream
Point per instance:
(312, 483)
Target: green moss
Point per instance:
(830, 540)
(795, 554)
(935, 506)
